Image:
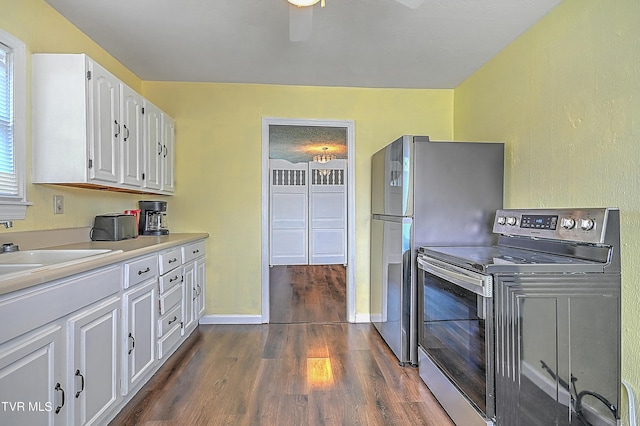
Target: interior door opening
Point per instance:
(307, 268)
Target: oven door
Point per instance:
(456, 339)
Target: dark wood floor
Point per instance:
(314, 372)
(307, 293)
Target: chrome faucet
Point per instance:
(7, 223)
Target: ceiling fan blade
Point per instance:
(412, 4)
(300, 20)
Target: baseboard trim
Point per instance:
(231, 319)
(363, 318)
(255, 319)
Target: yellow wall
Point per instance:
(565, 97)
(218, 166)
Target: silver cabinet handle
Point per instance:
(173, 279)
(173, 260)
(127, 132)
(175, 318)
(145, 271)
(118, 127)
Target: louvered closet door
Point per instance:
(289, 213)
(328, 213)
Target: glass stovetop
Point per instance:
(501, 258)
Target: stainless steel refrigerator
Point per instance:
(425, 193)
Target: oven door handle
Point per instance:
(476, 283)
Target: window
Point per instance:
(12, 127)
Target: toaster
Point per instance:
(114, 227)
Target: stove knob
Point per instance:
(501, 220)
(567, 223)
(512, 220)
(587, 224)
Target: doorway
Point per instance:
(295, 276)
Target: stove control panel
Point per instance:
(582, 225)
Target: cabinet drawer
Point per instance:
(168, 281)
(193, 251)
(140, 270)
(168, 342)
(173, 318)
(170, 260)
(170, 299)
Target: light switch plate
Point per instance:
(58, 204)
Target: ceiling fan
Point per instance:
(301, 16)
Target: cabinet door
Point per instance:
(31, 387)
(168, 155)
(139, 333)
(189, 294)
(94, 350)
(131, 159)
(201, 284)
(153, 146)
(104, 125)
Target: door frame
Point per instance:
(349, 125)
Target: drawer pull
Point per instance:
(175, 318)
(145, 271)
(196, 251)
(59, 388)
(173, 260)
(173, 279)
(82, 383)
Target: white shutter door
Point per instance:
(328, 213)
(289, 213)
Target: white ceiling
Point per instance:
(354, 43)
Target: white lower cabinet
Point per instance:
(170, 302)
(194, 273)
(61, 373)
(139, 333)
(94, 343)
(78, 349)
(32, 386)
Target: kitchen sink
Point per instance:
(21, 261)
(9, 269)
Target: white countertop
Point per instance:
(124, 250)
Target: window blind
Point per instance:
(8, 178)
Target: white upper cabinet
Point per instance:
(91, 130)
(152, 145)
(131, 140)
(168, 157)
(105, 125)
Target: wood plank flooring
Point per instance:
(311, 368)
(307, 293)
(285, 374)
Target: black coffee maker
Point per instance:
(153, 218)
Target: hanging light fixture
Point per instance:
(324, 157)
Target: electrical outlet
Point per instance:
(58, 204)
